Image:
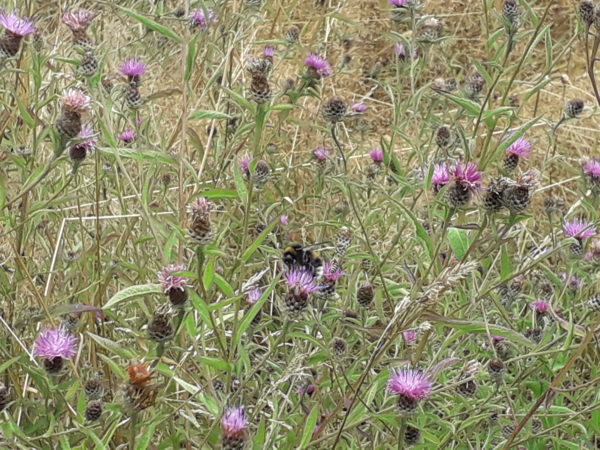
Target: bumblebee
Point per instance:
(296, 256)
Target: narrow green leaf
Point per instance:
(209, 115)
(111, 346)
(309, 427)
(470, 107)
(144, 441)
(459, 241)
(191, 58)
(201, 307)
(259, 240)
(505, 265)
(216, 363)
(240, 185)
(224, 285)
(132, 292)
(209, 273)
(151, 24)
(220, 194)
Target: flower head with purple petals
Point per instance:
(359, 107)
(332, 271)
(53, 343)
(409, 336)
(127, 136)
(253, 295)
(540, 306)
(376, 155)
(86, 138)
(300, 282)
(269, 51)
(199, 19)
(397, 3)
(234, 423)
(318, 66)
(78, 20)
(76, 100)
(170, 281)
(245, 164)
(467, 175)
(133, 68)
(521, 147)
(321, 153)
(15, 24)
(440, 177)
(200, 207)
(591, 168)
(579, 229)
(410, 383)
(283, 220)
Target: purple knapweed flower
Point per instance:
(359, 108)
(127, 136)
(15, 24)
(283, 220)
(467, 175)
(133, 68)
(579, 229)
(245, 164)
(55, 343)
(169, 281)
(253, 295)
(440, 177)
(234, 423)
(76, 100)
(200, 207)
(376, 155)
(269, 51)
(521, 147)
(317, 66)
(199, 19)
(78, 19)
(409, 383)
(301, 282)
(409, 336)
(331, 272)
(86, 138)
(540, 306)
(591, 168)
(397, 3)
(321, 153)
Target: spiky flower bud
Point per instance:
(93, 411)
(574, 108)
(260, 91)
(411, 435)
(292, 34)
(365, 294)
(474, 85)
(339, 346)
(586, 12)
(343, 240)
(594, 302)
(496, 369)
(334, 110)
(200, 229)
(430, 30)
(160, 329)
(493, 199)
(445, 138)
(93, 389)
(261, 173)
(510, 12)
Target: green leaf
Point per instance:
(200, 307)
(5, 365)
(224, 285)
(209, 115)
(505, 265)
(144, 441)
(191, 58)
(209, 272)
(309, 426)
(111, 346)
(470, 107)
(132, 292)
(216, 363)
(259, 240)
(138, 155)
(240, 185)
(249, 315)
(151, 24)
(220, 194)
(459, 241)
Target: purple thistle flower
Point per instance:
(409, 336)
(498, 338)
(200, 207)
(410, 383)
(467, 175)
(540, 306)
(440, 176)
(591, 168)
(359, 107)
(245, 164)
(253, 295)
(86, 138)
(199, 19)
(331, 272)
(53, 343)
(321, 153)
(301, 282)
(579, 229)
(318, 65)
(400, 51)
(133, 68)
(127, 136)
(170, 281)
(397, 3)
(76, 100)
(234, 423)
(268, 51)
(376, 155)
(283, 220)
(521, 147)
(16, 25)
(78, 20)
